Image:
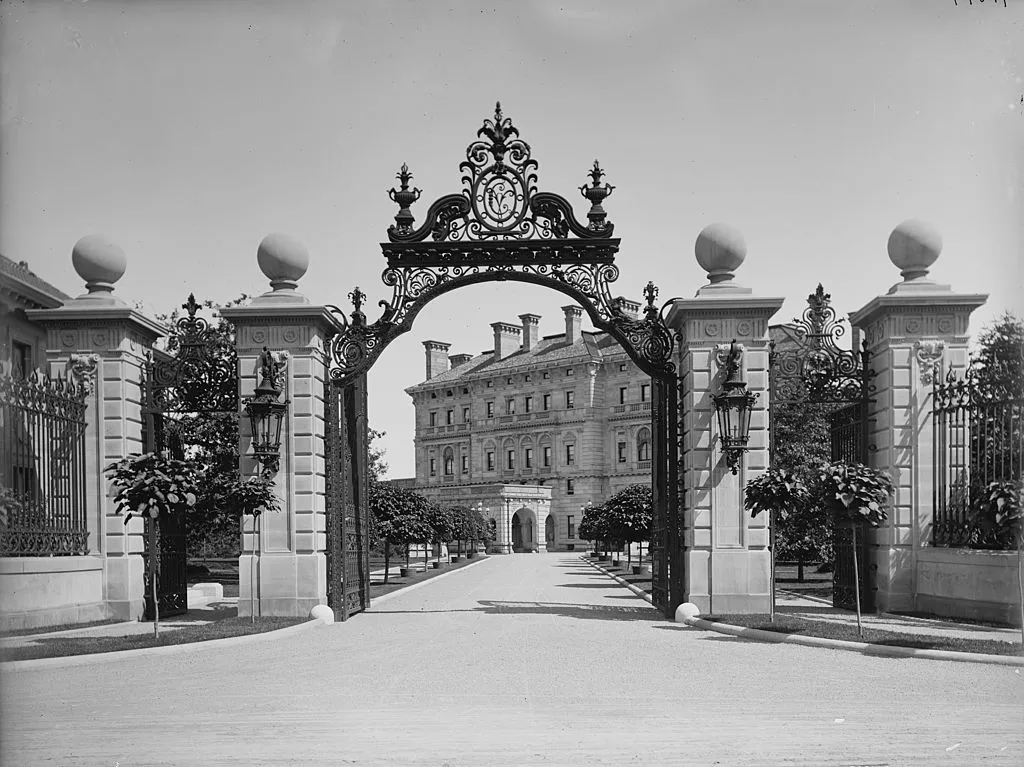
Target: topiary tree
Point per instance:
(855, 493)
(150, 486)
(397, 517)
(442, 525)
(628, 516)
(594, 527)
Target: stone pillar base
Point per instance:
(724, 581)
(286, 584)
(892, 576)
(125, 586)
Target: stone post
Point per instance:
(283, 560)
(102, 343)
(915, 332)
(725, 552)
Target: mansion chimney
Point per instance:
(530, 330)
(506, 339)
(459, 359)
(437, 357)
(573, 324)
(630, 308)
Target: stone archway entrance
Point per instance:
(524, 535)
(499, 227)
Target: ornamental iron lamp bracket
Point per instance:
(733, 408)
(266, 413)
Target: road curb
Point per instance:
(865, 648)
(118, 655)
(622, 581)
(414, 586)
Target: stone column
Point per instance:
(916, 331)
(284, 558)
(726, 557)
(102, 343)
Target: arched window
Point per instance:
(643, 444)
(449, 462)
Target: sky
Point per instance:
(186, 131)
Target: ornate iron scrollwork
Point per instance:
(500, 228)
(818, 369)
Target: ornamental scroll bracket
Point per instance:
(498, 228)
(82, 369)
(929, 359)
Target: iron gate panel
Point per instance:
(815, 370)
(348, 513)
(200, 379)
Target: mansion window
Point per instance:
(510, 459)
(643, 449)
(570, 455)
(449, 417)
(645, 392)
(528, 458)
(570, 372)
(570, 527)
(433, 418)
(465, 464)
(570, 400)
(465, 415)
(433, 467)
(528, 405)
(547, 455)
(546, 402)
(490, 460)
(570, 487)
(622, 452)
(490, 409)
(622, 395)
(510, 406)
(449, 464)
(546, 375)
(21, 360)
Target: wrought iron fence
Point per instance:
(42, 467)
(978, 422)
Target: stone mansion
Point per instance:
(533, 430)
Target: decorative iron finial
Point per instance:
(191, 306)
(403, 197)
(596, 194)
(651, 294)
(357, 297)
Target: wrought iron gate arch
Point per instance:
(819, 372)
(198, 379)
(499, 228)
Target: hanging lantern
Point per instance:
(266, 414)
(733, 407)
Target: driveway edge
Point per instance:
(622, 581)
(865, 648)
(414, 586)
(97, 657)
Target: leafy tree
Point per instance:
(595, 526)
(1000, 355)
(628, 516)
(783, 492)
(151, 486)
(442, 524)
(399, 518)
(462, 524)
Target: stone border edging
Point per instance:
(413, 586)
(622, 581)
(65, 661)
(865, 648)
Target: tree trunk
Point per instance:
(387, 561)
(629, 554)
(425, 545)
(153, 577)
(800, 568)
(407, 555)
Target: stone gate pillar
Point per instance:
(102, 343)
(916, 331)
(725, 552)
(283, 561)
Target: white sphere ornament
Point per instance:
(913, 247)
(686, 611)
(720, 250)
(283, 259)
(322, 613)
(99, 262)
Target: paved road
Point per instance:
(516, 660)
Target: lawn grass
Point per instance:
(395, 582)
(55, 647)
(788, 624)
(61, 627)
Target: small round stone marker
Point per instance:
(322, 613)
(686, 610)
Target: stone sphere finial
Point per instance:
(913, 247)
(99, 262)
(283, 260)
(720, 250)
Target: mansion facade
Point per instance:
(534, 430)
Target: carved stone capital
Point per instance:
(82, 368)
(929, 358)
